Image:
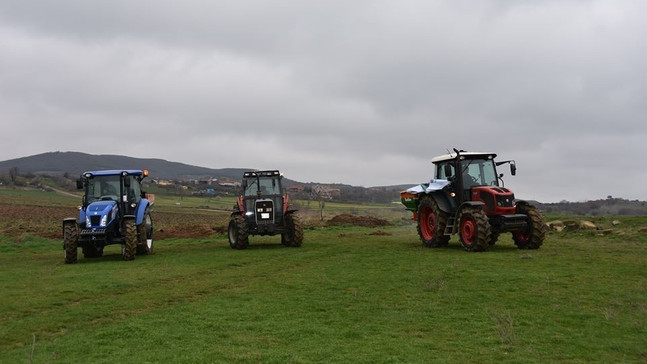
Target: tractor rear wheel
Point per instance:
(532, 237)
(129, 248)
(92, 251)
(431, 223)
(145, 235)
(238, 232)
(70, 242)
(294, 237)
(474, 229)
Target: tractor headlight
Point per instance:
(104, 220)
(88, 224)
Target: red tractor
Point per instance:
(467, 197)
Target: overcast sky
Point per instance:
(356, 92)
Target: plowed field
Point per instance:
(45, 221)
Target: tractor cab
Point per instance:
(122, 187)
(473, 177)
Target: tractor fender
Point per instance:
(442, 201)
(141, 209)
(470, 203)
(237, 213)
(521, 203)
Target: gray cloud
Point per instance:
(365, 92)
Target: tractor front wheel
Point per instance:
(431, 223)
(238, 232)
(145, 235)
(70, 242)
(294, 237)
(474, 229)
(532, 237)
(129, 248)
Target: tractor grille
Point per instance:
(95, 220)
(505, 200)
(264, 211)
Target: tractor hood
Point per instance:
(99, 214)
(100, 207)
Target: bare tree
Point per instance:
(321, 194)
(13, 173)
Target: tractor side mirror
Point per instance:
(513, 169)
(448, 170)
(79, 184)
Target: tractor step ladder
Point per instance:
(449, 228)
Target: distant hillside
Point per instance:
(75, 163)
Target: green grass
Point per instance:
(35, 197)
(344, 296)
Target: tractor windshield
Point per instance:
(262, 186)
(103, 188)
(479, 172)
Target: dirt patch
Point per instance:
(380, 233)
(46, 222)
(189, 231)
(366, 221)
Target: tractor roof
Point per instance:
(116, 172)
(254, 174)
(446, 157)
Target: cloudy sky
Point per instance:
(362, 92)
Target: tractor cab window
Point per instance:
(270, 186)
(478, 172)
(134, 191)
(263, 186)
(103, 188)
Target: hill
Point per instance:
(72, 164)
(75, 163)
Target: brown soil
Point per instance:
(380, 233)
(47, 222)
(366, 221)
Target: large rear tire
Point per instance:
(431, 223)
(129, 248)
(533, 236)
(474, 229)
(145, 244)
(294, 237)
(238, 232)
(70, 242)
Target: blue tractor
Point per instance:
(115, 210)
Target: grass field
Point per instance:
(349, 294)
